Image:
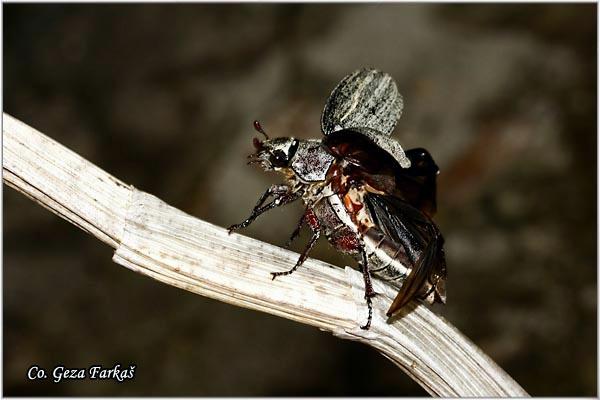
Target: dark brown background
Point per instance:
(163, 96)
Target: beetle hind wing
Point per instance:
(413, 283)
(427, 277)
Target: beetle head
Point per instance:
(273, 154)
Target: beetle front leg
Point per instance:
(282, 194)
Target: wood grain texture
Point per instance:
(164, 243)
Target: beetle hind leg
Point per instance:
(369, 292)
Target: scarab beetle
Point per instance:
(370, 198)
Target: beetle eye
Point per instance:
(279, 158)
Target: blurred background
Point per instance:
(163, 97)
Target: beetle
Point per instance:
(368, 196)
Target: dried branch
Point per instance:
(157, 240)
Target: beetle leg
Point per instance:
(369, 292)
(296, 232)
(282, 196)
(316, 230)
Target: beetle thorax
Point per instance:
(311, 162)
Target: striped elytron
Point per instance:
(370, 198)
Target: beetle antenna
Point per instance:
(260, 129)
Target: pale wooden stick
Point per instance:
(157, 240)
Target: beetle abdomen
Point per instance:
(388, 259)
